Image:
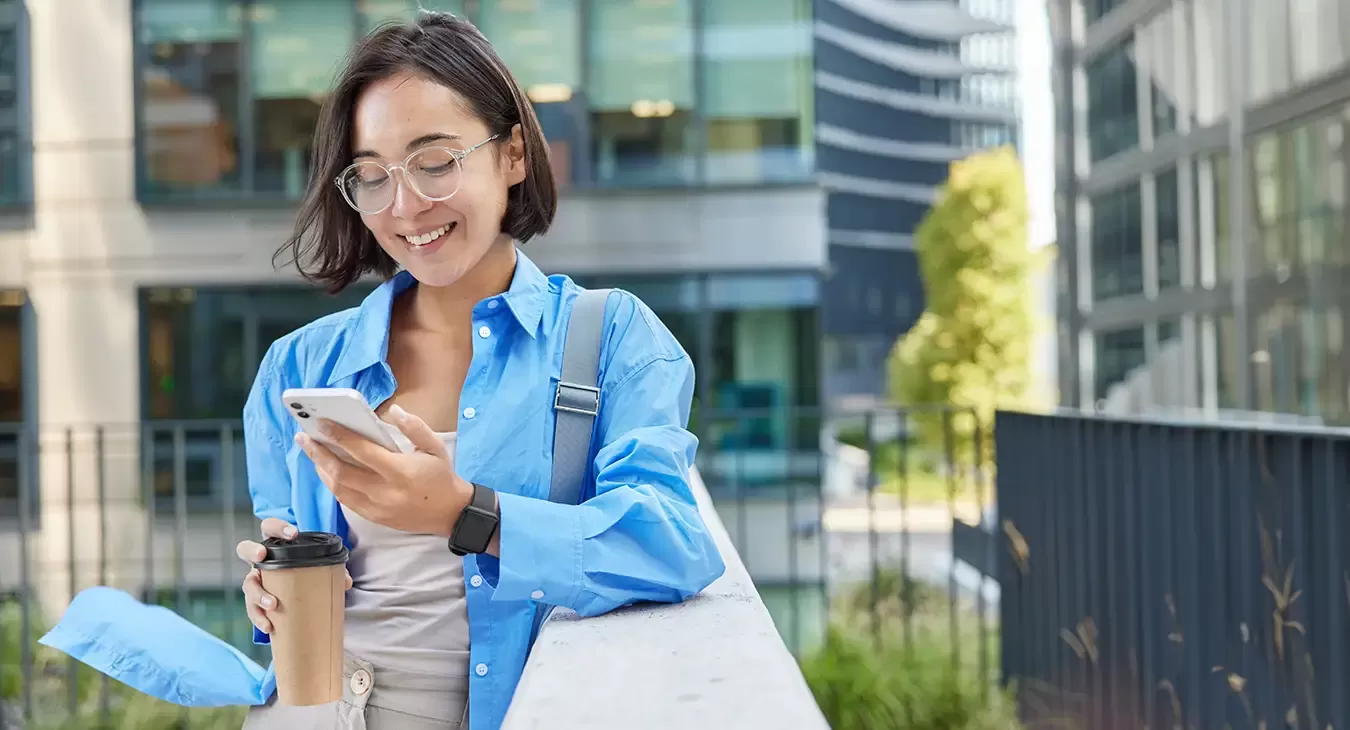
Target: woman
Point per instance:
(430, 160)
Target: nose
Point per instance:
(407, 203)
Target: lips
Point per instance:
(430, 237)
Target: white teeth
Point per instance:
(426, 238)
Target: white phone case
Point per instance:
(340, 405)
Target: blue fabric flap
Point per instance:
(156, 651)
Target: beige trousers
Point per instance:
(372, 700)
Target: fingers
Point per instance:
(418, 432)
(250, 552)
(258, 602)
(348, 482)
(275, 527)
(348, 583)
(362, 450)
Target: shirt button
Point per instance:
(492, 304)
(476, 581)
(360, 682)
(470, 412)
(484, 332)
(537, 595)
(480, 670)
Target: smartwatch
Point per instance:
(477, 523)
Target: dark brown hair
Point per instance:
(330, 245)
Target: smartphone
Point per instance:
(343, 406)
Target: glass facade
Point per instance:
(754, 341)
(1117, 244)
(1094, 10)
(15, 140)
(1286, 352)
(684, 92)
(1117, 353)
(1113, 103)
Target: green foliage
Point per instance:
(865, 685)
(904, 680)
(972, 347)
(901, 673)
(127, 709)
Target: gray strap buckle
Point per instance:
(573, 398)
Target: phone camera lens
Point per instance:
(296, 406)
(302, 414)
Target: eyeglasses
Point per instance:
(434, 173)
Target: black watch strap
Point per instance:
(477, 523)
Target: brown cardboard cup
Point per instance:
(307, 576)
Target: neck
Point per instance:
(450, 308)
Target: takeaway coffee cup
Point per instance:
(307, 576)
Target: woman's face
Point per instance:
(437, 241)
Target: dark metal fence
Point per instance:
(1162, 575)
(856, 532)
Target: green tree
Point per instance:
(972, 347)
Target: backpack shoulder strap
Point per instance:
(577, 400)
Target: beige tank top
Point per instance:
(407, 609)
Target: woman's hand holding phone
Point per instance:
(257, 601)
(414, 492)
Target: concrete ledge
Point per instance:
(713, 661)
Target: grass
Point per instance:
(896, 664)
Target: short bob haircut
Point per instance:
(330, 245)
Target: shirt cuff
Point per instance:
(541, 545)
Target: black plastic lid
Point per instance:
(306, 550)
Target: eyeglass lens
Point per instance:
(433, 173)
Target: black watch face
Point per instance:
(474, 531)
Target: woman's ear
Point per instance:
(515, 157)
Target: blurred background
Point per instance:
(1018, 324)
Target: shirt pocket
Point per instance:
(511, 449)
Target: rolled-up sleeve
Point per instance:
(265, 435)
(640, 538)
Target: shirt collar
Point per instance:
(368, 341)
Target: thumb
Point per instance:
(417, 431)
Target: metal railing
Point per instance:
(838, 518)
(1167, 574)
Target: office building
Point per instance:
(1201, 200)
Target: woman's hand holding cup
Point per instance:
(257, 601)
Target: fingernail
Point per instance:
(397, 412)
(267, 601)
(300, 439)
(290, 531)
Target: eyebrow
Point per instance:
(420, 141)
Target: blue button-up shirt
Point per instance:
(637, 536)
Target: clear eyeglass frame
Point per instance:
(456, 154)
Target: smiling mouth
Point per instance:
(430, 236)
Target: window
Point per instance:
(11, 396)
(1117, 244)
(1209, 59)
(758, 89)
(539, 42)
(642, 100)
(1168, 96)
(1269, 50)
(11, 356)
(15, 145)
(1113, 103)
(230, 89)
(190, 88)
(1169, 230)
(296, 49)
(1096, 9)
(1118, 354)
(375, 12)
